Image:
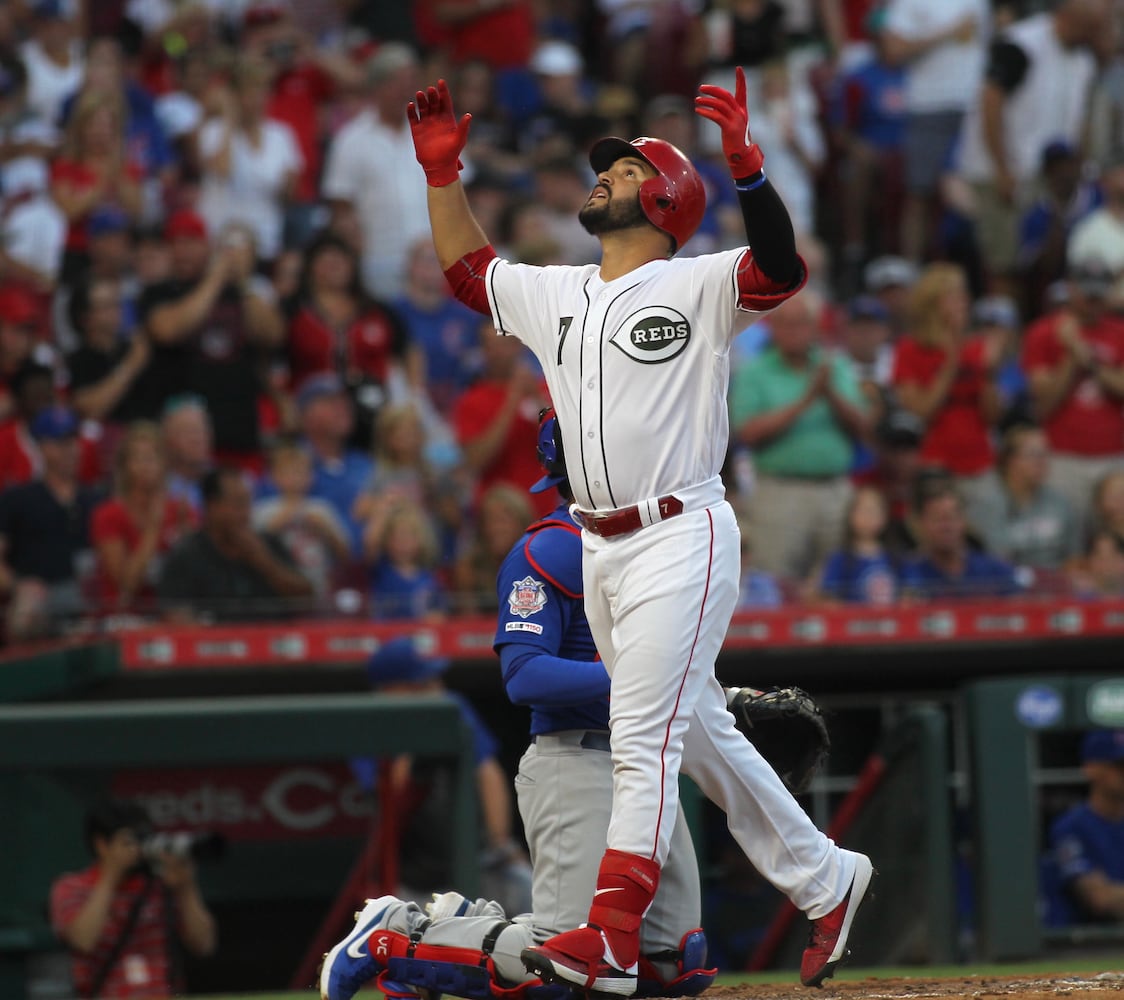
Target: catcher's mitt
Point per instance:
(786, 726)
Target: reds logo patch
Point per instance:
(653, 335)
(527, 597)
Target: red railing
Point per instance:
(162, 647)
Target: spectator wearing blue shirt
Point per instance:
(1087, 842)
(444, 335)
(996, 319)
(327, 419)
(867, 113)
(862, 572)
(946, 566)
(757, 588)
(401, 547)
(145, 138)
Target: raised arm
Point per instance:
(774, 270)
(438, 140)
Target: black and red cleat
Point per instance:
(827, 942)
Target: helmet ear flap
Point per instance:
(549, 451)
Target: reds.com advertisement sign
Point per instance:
(267, 802)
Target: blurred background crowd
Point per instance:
(234, 384)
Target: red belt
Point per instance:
(606, 524)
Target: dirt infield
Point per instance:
(1037, 987)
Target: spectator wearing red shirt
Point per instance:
(19, 319)
(306, 78)
(334, 327)
(947, 378)
(92, 170)
(131, 531)
(497, 419)
(90, 909)
(1074, 358)
(500, 32)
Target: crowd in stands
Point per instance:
(234, 384)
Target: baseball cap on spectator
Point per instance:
(317, 387)
(1057, 294)
(54, 424)
(263, 12)
(666, 105)
(1103, 745)
(996, 310)
(389, 58)
(1057, 151)
(106, 219)
(17, 306)
(1092, 277)
(867, 307)
(24, 175)
(401, 661)
(556, 58)
(185, 224)
(50, 9)
(900, 428)
(888, 272)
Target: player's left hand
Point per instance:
(730, 113)
(438, 136)
(786, 726)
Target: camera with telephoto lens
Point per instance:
(199, 845)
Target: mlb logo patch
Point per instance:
(527, 597)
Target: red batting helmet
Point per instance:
(675, 200)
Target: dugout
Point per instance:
(1017, 727)
(57, 756)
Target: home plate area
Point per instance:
(1039, 987)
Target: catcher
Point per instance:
(564, 790)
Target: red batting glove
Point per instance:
(729, 111)
(438, 136)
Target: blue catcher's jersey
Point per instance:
(541, 611)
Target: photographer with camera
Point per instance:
(125, 917)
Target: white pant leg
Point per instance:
(677, 906)
(775, 833)
(659, 602)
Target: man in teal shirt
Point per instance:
(800, 410)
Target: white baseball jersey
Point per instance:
(642, 358)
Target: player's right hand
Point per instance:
(438, 136)
(731, 114)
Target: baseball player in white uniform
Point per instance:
(636, 356)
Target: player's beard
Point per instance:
(611, 216)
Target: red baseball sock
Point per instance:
(626, 884)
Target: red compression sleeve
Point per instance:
(758, 292)
(466, 278)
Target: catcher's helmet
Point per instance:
(675, 200)
(549, 451)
